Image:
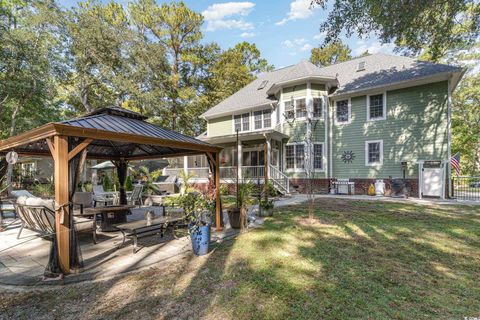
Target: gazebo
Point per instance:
(114, 134)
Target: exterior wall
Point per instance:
(415, 129)
(294, 92)
(220, 126)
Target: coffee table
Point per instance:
(141, 228)
(110, 215)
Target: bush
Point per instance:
(129, 183)
(107, 184)
(43, 190)
(224, 190)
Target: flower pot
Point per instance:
(234, 218)
(200, 237)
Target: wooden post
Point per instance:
(218, 209)
(62, 213)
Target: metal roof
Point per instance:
(115, 133)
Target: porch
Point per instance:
(259, 155)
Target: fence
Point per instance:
(466, 188)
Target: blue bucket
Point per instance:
(200, 237)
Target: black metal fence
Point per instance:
(466, 188)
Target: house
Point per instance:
(374, 117)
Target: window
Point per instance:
(376, 107)
(294, 156)
(343, 111)
(361, 66)
(257, 116)
(262, 119)
(299, 156)
(290, 157)
(318, 156)
(373, 152)
(241, 122)
(301, 108)
(262, 85)
(289, 111)
(267, 118)
(317, 107)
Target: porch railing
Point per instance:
(279, 179)
(253, 172)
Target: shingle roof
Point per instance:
(380, 70)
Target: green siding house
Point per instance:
(374, 117)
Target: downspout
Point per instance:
(325, 121)
(449, 136)
(330, 135)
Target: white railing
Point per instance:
(253, 172)
(228, 172)
(279, 179)
(201, 172)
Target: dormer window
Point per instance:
(361, 66)
(262, 85)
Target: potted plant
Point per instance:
(198, 209)
(238, 215)
(266, 207)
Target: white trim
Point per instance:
(253, 120)
(366, 153)
(295, 107)
(349, 112)
(384, 105)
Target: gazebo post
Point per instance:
(218, 208)
(62, 208)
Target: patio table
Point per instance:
(140, 228)
(109, 214)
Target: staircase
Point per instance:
(279, 180)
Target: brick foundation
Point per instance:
(322, 186)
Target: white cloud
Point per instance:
(299, 9)
(374, 47)
(319, 36)
(247, 35)
(295, 42)
(215, 15)
(306, 47)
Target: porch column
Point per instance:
(62, 208)
(218, 207)
(239, 160)
(266, 160)
(185, 166)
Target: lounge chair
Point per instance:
(101, 196)
(38, 215)
(136, 195)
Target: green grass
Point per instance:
(355, 260)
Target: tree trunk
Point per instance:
(13, 126)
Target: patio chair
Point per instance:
(136, 195)
(101, 196)
(38, 215)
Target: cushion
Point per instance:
(20, 193)
(21, 200)
(50, 204)
(84, 198)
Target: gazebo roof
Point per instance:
(113, 133)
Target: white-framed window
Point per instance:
(318, 156)
(373, 152)
(300, 108)
(343, 111)
(241, 122)
(289, 110)
(318, 107)
(376, 107)
(262, 119)
(294, 157)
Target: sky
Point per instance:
(284, 30)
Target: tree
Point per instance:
(30, 62)
(177, 29)
(332, 53)
(414, 26)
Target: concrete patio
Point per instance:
(23, 261)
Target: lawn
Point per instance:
(356, 259)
